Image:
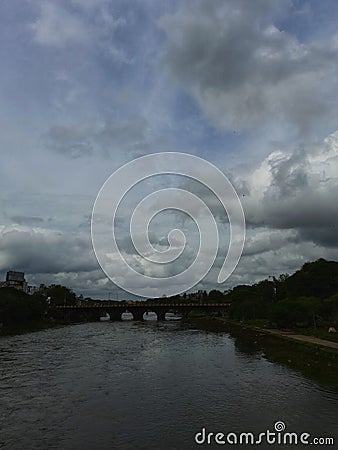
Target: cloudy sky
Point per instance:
(88, 85)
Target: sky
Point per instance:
(89, 85)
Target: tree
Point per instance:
(330, 308)
(318, 279)
(301, 311)
(287, 313)
(216, 296)
(61, 295)
(16, 307)
(249, 309)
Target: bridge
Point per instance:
(96, 310)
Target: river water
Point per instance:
(148, 385)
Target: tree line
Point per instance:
(308, 298)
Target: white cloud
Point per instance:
(295, 189)
(89, 24)
(57, 27)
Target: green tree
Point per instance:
(287, 313)
(216, 296)
(301, 311)
(61, 295)
(317, 279)
(16, 307)
(330, 308)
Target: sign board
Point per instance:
(15, 276)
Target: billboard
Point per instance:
(15, 276)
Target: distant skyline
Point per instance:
(88, 85)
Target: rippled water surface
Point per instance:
(134, 385)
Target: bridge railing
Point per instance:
(144, 305)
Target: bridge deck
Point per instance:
(144, 305)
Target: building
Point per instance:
(32, 289)
(16, 280)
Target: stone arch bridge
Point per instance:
(95, 311)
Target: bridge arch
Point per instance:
(127, 315)
(150, 316)
(93, 311)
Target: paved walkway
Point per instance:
(302, 337)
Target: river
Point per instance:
(148, 385)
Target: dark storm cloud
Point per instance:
(326, 236)
(45, 251)
(244, 71)
(106, 81)
(268, 241)
(295, 190)
(307, 209)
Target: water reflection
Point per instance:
(127, 316)
(151, 316)
(147, 385)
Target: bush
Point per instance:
(16, 307)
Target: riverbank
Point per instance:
(304, 338)
(30, 327)
(221, 323)
(316, 361)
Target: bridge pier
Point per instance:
(160, 315)
(138, 314)
(185, 313)
(115, 314)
